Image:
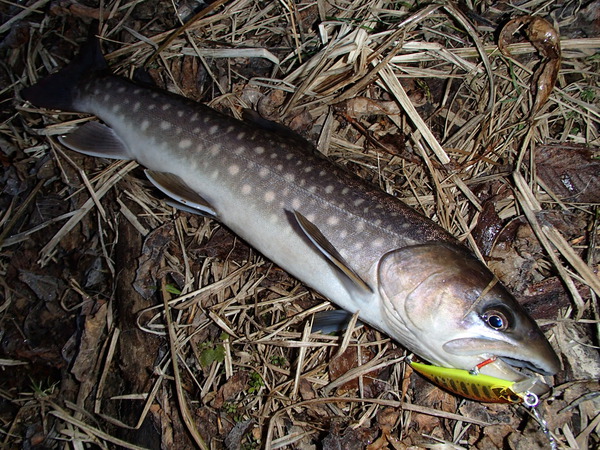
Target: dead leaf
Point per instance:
(71, 7)
(545, 39)
(46, 287)
(90, 345)
(364, 106)
(488, 226)
(149, 261)
(570, 171)
(349, 360)
(234, 386)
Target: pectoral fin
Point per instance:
(329, 251)
(96, 139)
(332, 321)
(183, 197)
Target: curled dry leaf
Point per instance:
(362, 106)
(544, 37)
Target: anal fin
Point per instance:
(183, 196)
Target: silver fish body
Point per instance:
(360, 247)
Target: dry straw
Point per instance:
(474, 133)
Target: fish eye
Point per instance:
(496, 320)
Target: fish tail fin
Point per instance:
(58, 90)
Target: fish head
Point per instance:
(447, 307)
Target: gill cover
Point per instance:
(422, 281)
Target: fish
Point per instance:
(363, 249)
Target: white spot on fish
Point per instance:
(345, 191)
(289, 156)
(296, 203)
(137, 91)
(230, 128)
(273, 218)
(333, 220)
(343, 234)
(164, 125)
(259, 150)
(154, 95)
(263, 172)
(360, 227)
(246, 189)
(151, 107)
(106, 97)
(108, 85)
(234, 169)
(214, 129)
(121, 89)
(273, 155)
(126, 101)
(96, 91)
(239, 151)
(214, 175)
(194, 117)
(322, 173)
(215, 149)
(279, 167)
(289, 177)
(329, 189)
(377, 222)
(310, 217)
(196, 130)
(377, 242)
(308, 169)
(116, 108)
(358, 202)
(357, 246)
(269, 196)
(166, 106)
(185, 143)
(312, 189)
(144, 125)
(241, 135)
(180, 113)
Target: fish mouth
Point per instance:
(519, 365)
(511, 363)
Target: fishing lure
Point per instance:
(477, 386)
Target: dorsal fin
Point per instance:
(255, 118)
(184, 197)
(329, 251)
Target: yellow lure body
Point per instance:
(480, 387)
